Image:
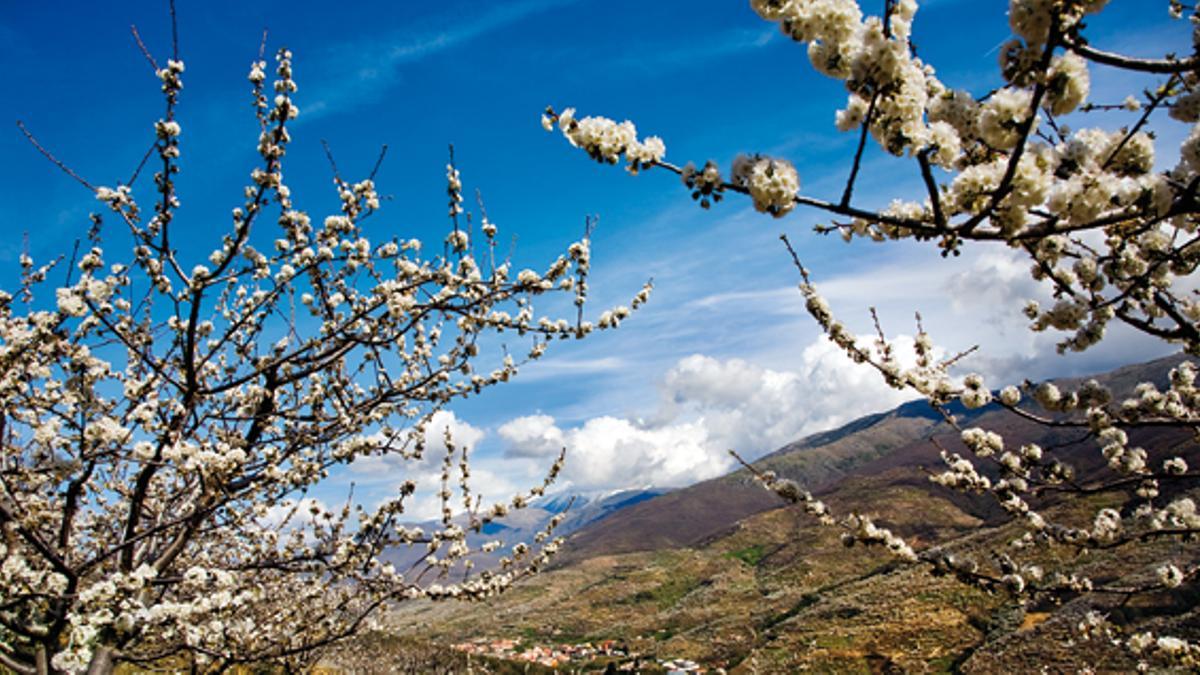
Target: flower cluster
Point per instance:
(790, 491)
(771, 183)
(605, 140)
(857, 528)
(706, 184)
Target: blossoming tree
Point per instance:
(1114, 239)
(162, 419)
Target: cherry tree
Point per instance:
(163, 419)
(1114, 240)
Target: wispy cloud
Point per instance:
(669, 57)
(574, 368)
(765, 302)
(373, 66)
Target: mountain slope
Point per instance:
(690, 515)
(774, 592)
(880, 449)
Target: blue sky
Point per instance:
(722, 356)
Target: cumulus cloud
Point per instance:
(837, 390)
(976, 300)
(532, 436)
(708, 406)
(987, 295)
(609, 452)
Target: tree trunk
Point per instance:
(43, 661)
(102, 661)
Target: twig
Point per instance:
(959, 356)
(745, 465)
(54, 160)
(332, 164)
(453, 210)
(1131, 63)
(795, 258)
(137, 38)
(866, 123)
(862, 145)
(145, 158)
(71, 265)
(174, 32)
(1155, 100)
(378, 162)
(885, 349)
(1024, 127)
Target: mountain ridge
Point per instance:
(895, 440)
(774, 591)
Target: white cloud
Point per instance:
(293, 513)
(707, 407)
(763, 302)
(756, 410)
(610, 452)
(997, 278)
(975, 300)
(532, 436)
(837, 390)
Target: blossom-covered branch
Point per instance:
(1107, 229)
(164, 419)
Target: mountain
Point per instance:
(581, 508)
(693, 514)
(721, 575)
(893, 447)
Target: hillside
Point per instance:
(717, 574)
(690, 515)
(887, 448)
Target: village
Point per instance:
(616, 656)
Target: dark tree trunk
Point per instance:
(103, 662)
